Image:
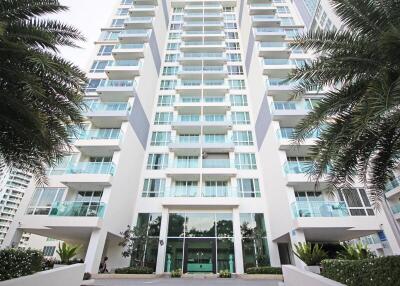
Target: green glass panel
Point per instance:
(200, 225)
(174, 254)
(255, 252)
(176, 224)
(225, 255)
(224, 225)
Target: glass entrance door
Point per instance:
(200, 255)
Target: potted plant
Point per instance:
(311, 255)
(177, 273)
(66, 253)
(225, 274)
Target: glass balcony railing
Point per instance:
(91, 168)
(287, 133)
(206, 118)
(188, 118)
(208, 32)
(273, 45)
(182, 192)
(135, 32)
(266, 17)
(299, 167)
(124, 63)
(216, 163)
(75, 208)
(395, 208)
(203, 43)
(187, 139)
(117, 83)
(138, 19)
(186, 163)
(204, 23)
(319, 209)
(203, 55)
(208, 82)
(196, 99)
(261, 5)
(392, 184)
(280, 82)
(289, 105)
(107, 106)
(128, 46)
(212, 139)
(269, 30)
(100, 134)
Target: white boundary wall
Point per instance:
(64, 276)
(294, 276)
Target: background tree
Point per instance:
(40, 92)
(359, 117)
(134, 244)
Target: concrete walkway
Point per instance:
(184, 282)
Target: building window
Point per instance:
(163, 118)
(234, 57)
(177, 18)
(165, 100)
(157, 161)
(109, 36)
(160, 138)
(238, 99)
(229, 17)
(105, 50)
(237, 84)
(92, 85)
(240, 118)
(98, 66)
(171, 58)
(235, 70)
(117, 23)
(43, 199)
(170, 70)
(126, 2)
(248, 188)
(254, 240)
(167, 84)
(172, 46)
(245, 161)
(174, 36)
(48, 250)
(242, 138)
(282, 10)
(231, 35)
(232, 46)
(357, 202)
(230, 26)
(122, 11)
(153, 188)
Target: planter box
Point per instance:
(261, 276)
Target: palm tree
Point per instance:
(359, 117)
(40, 92)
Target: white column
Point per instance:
(237, 241)
(297, 236)
(162, 245)
(273, 253)
(12, 239)
(95, 251)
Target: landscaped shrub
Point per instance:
(18, 262)
(134, 270)
(87, 276)
(177, 273)
(225, 274)
(264, 270)
(382, 271)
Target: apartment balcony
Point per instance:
(269, 34)
(204, 192)
(116, 90)
(208, 7)
(128, 51)
(278, 67)
(142, 10)
(203, 46)
(266, 21)
(393, 188)
(396, 210)
(99, 142)
(286, 142)
(280, 88)
(210, 104)
(134, 36)
(297, 176)
(86, 175)
(183, 145)
(77, 209)
(207, 58)
(139, 22)
(146, 2)
(210, 123)
(207, 16)
(203, 26)
(207, 35)
(205, 72)
(279, 50)
(214, 86)
(210, 168)
(289, 112)
(262, 9)
(107, 114)
(330, 221)
(123, 69)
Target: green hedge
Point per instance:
(134, 270)
(18, 262)
(381, 271)
(264, 270)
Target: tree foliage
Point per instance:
(359, 117)
(310, 254)
(40, 92)
(66, 252)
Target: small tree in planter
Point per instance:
(310, 255)
(67, 252)
(134, 244)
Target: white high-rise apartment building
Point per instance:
(13, 184)
(188, 133)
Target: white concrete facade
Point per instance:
(187, 132)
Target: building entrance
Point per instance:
(199, 255)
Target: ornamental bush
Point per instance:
(19, 262)
(134, 270)
(264, 270)
(381, 271)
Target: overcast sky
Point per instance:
(88, 16)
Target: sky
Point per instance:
(89, 16)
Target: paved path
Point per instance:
(184, 282)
